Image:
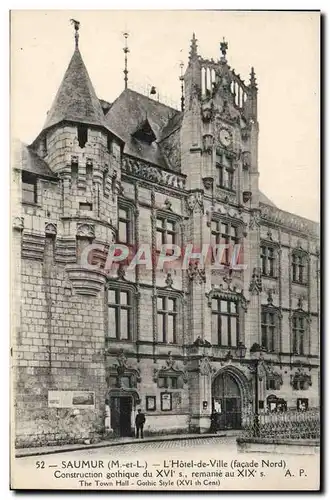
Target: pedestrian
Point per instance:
(213, 428)
(139, 423)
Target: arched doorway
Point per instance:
(122, 405)
(227, 401)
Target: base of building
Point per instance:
(200, 424)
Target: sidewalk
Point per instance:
(48, 450)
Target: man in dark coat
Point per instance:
(139, 423)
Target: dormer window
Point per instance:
(82, 131)
(145, 133)
(29, 188)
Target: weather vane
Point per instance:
(126, 51)
(76, 25)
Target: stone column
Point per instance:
(200, 372)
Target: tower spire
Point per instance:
(126, 51)
(76, 25)
(181, 78)
(193, 47)
(253, 80)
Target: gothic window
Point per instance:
(271, 384)
(268, 329)
(299, 267)
(125, 222)
(225, 172)
(124, 225)
(167, 319)
(165, 231)
(301, 381)
(120, 305)
(225, 322)
(168, 382)
(298, 334)
(82, 131)
(268, 261)
(29, 188)
(224, 233)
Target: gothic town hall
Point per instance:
(91, 347)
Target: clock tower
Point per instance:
(219, 156)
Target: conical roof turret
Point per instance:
(76, 99)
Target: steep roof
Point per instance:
(76, 99)
(128, 112)
(264, 199)
(24, 158)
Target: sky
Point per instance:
(283, 47)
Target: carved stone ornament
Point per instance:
(275, 215)
(168, 205)
(208, 183)
(207, 111)
(256, 281)
(121, 368)
(205, 367)
(227, 292)
(300, 304)
(18, 223)
(121, 272)
(50, 228)
(195, 202)
(269, 235)
(254, 219)
(246, 160)
(86, 281)
(208, 143)
(151, 173)
(199, 342)
(301, 378)
(247, 196)
(196, 273)
(272, 374)
(169, 280)
(86, 231)
(270, 299)
(170, 368)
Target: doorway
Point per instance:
(121, 414)
(227, 402)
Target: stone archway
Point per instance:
(231, 398)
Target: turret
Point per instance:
(81, 149)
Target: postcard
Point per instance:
(165, 250)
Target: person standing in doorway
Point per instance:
(139, 423)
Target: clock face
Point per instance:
(225, 137)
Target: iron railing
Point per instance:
(286, 425)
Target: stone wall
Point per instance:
(59, 346)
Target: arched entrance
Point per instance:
(122, 405)
(229, 392)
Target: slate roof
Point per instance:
(130, 110)
(76, 99)
(24, 158)
(264, 199)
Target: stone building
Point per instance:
(90, 346)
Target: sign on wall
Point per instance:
(71, 399)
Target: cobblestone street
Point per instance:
(143, 450)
